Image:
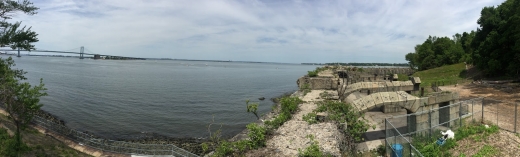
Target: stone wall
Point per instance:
(318, 83)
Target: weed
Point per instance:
(487, 150)
(312, 73)
(344, 113)
(313, 150)
(427, 146)
(256, 135)
(305, 89)
(310, 118)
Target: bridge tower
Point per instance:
(80, 52)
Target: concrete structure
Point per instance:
(373, 87)
(318, 83)
(427, 109)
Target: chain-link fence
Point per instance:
(54, 125)
(504, 114)
(403, 132)
(122, 147)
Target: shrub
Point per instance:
(312, 73)
(313, 150)
(288, 105)
(256, 135)
(345, 113)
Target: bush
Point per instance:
(313, 150)
(256, 135)
(288, 105)
(312, 73)
(345, 113)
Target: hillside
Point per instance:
(448, 74)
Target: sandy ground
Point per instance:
(292, 135)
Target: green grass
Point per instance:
(475, 131)
(37, 144)
(402, 77)
(448, 74)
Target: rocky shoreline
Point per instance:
(190, 144)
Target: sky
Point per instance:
(288, 31)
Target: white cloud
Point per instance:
(272, 31)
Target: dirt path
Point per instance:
(292, 135)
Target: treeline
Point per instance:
(494, 48)
(369, 64)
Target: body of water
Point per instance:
(124, 99)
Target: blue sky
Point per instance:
(251, 30)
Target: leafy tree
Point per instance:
(439, 51)
(19, 98)
(10, 34)
(496, 43)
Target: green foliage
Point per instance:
(313, 150)
(9, 146)
(305, 88)
(312, 73)
(256, 135)
(344, 113)
(438, 51)
(428, 147)
(402, 77)
(496, 48)
(224, 149)
(20, 100)
(449, 74)
(288, 106)
(252, 108)
(310, 118)
(12, 36)
(487, 150)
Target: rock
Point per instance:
(262, 98)
(321, 117)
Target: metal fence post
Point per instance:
(482, 110)
(516, 115)
(497, 115)
(472, 111)
(460, 114)
(386, 136)
(430, 121)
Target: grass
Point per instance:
(475, 131)
(402, 77)
(448, 74)
(38, 143)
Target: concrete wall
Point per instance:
(317, 83)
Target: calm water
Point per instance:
(123, 99)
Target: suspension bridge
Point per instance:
(81, 53)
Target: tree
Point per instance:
(10, 34)
(496, 43)
(20, 99)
